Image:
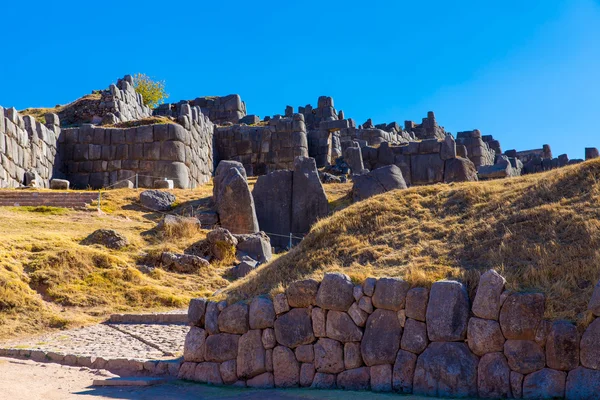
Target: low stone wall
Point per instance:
(262, 149)
(426, 162)
(382, 335)
(99, 157)
(121, 100)
(27, 149)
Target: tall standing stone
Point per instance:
(272, 195)
(487, 299)
(309, 201)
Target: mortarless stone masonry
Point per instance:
(445, 352)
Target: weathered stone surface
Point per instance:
(594, 304)
(404, 369)
(228, 372)
(294, 328)
(193, 349)
(562, 346)
(446, 369)
(416, 303)
(390, 293)
(59, 184)
(186, 371)
(378, 181)
(352, 356)
(358, 316)
(323, 381)
(233, 200)
(234, 319)
(272, 195)
(583, 384)
(286, 368)
(108, 238)
(329, 356)
(487, 299)
(268, 338)
(262, 381)
(545, 384)
(381, 339)
(357, 292)
(341, 327)
(256, 245)
(302, 293)
(335, 292)
(590, 346)
(447, 312)
(516, 384)
(524, 356)
(251, 355)
(542, 332)
(183, 263)
(319, 318)
(381, 378)
(366, 304)
(208, 372)
(414, 337)
(221, 347)
(459, 170)
(309, 201)
(493, 378)
(369, 286)
(211, 318)
(157, 200)
(354, 379)
(307, 374)
(484, 336)
(262, 313)
(353, 157)
(521, 314)
(305, 353)
(280, 304)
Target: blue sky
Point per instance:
(527, 72)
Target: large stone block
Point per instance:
(590, 346)
(414, 337)
(381, 339)
(484, 336)
(381, 378)
(193, 349)
(524, 356)
(309, 201)
(221, 347)
(582, 384)
(286, 369)
(262, 313)
(302, 293)
(234, 202)
(562, 346)
(404, 370)
(352, 356)
(493, 378)
(208, 372)
(416, 303)
(234, 319)
(446, 370)
(335, 292)
(459, 170)
(390, 293)
(447, 312)
(329, 356)
(251, 355)
(294, 328)
(521, 314)
(378, 181)
(487, 299)
(545, 384)
(354, 379)
(426, 169)
(341, 327)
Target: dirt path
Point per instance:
(28, 380)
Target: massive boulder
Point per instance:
(353, 157)
(487, 299)
(272, 195)
(521, 314)
(459, 170)
(256, 245)
(335, 292)
(378, 181)
(381, 339)
(446, 370)
(233, 200)
(294, 328)
(157, 200)
(108, 238)
(494, 376)
(309, 201)
(447, 312)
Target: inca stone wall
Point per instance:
(428, 129)
(262, 149)
(477, 150)
(27, 149)
(220, 110)
(385, 336)
(98, 157)
(120, 100)
(425, 162)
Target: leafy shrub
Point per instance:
(153, 92)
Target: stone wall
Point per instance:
(382, 335)
(120, 100)
(477, 149)
(98, 157)
(426, 162)
(265, 148)
(27, 149)
(220, 110)
(427, 129)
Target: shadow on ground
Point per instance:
(179, 390)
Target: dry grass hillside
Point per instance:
(542, 232)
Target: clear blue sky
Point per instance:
(527, 72)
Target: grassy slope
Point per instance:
(542, 232)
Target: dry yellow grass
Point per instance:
(49, 280)
(542, 232)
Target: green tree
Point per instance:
(153, 92)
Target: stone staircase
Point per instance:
(21, 198)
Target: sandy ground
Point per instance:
(28, 380)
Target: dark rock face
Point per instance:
(309, 201)
(446, 369)
(521, 314)
(302, 293)
(157, 200)
(354, 379)
(524, 356)
(460, 170)
(294, 328)
(335, 292)
(390, 293)
(378, 181)
(590, 346)
(108, 238)
(381, 339)
(562, 346)
(256, 245)
(272, 195)
(403, 372)
(583, 384)
(233, 199)
(545, 384)
(493, 376)
(447, 312)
